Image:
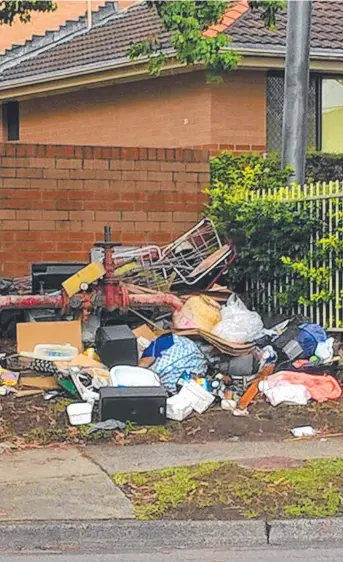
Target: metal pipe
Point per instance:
(45, 301)
(295, 109)
(89, 14)
(30, 301)
(157, 299)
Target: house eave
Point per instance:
(125, 70)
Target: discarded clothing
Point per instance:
(108, 425)
(310, 335)
(183, 355)
(159, 345)
(320, 388)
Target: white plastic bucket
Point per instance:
(126, 375)
(80, 413)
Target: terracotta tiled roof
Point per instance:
(105, 42)
(230, 16)
(326, 34)
(108, 41)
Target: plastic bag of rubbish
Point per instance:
(238, 324)
(324, 350)
(284, 392)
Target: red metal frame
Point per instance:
(109, 293)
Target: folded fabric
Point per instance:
(158, 346)
(183, 356)
(320, 387)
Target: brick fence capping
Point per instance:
(104, 152)
(55, 200)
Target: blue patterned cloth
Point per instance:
(183, 355)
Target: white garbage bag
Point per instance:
(279, 392)
(238, 323)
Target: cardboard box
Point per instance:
(31, 334)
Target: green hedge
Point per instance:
(273, 238)
(320, 167)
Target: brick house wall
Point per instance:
(175, 111)
(56, 200)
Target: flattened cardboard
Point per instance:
(31, 334)
(230, 348)
(80, 360)
(41, 383)
(144, 332)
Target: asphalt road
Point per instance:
(323, 553)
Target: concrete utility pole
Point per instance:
(295, 109)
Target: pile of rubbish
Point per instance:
(210, 354)
(210, 349)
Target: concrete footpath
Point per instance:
(141, 458)
(76, 483)
(57, 484)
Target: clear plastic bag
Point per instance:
(238, 323)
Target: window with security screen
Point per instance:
(275, 91)
(332, 114)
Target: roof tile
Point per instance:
(327, 28)
(109, 40)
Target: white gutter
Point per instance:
(76, 71)
(126, 62)
(315, 55)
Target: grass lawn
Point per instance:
(224, 490)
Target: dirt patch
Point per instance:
(225, 491)
(32, 419)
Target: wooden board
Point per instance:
(42, 383)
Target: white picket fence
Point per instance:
(325, 201)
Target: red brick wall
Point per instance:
(55, 200)
(238, 113)
(169, 111)
(174, 111)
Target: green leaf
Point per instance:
(187, 20)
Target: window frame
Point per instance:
(317, 77)
(11, 126)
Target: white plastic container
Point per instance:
(126, 375)
(80, 413)
(197, 396)
(52, 352)
(179, 407)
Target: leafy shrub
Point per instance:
(322, 167)
(265, 231)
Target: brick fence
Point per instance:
(56, 200)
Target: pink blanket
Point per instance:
(321, 387)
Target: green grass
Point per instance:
(61, 406)
(314, 490)
(72, 434)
